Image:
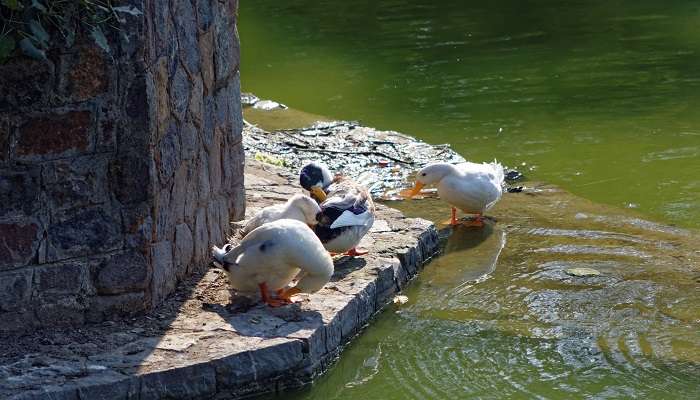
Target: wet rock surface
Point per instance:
(202, 341)
(384, 161)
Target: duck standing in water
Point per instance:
(299, 207)
(471, 187)
(347, 209)
(271, 256)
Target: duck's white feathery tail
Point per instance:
(218, 253)
(498, 171)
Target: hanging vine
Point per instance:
(33, 26)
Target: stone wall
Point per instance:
(117, 171)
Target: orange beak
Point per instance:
(319, 193)
(409, 193)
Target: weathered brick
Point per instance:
(123, 272)
(83, 232)
(54, 136)
(19, 241)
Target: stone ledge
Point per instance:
(200, 343)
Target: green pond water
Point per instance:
(599, 98)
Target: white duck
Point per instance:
(471, 187)
(299, 207)
(271, 256)
(347, 210)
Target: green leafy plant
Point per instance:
(32, 26)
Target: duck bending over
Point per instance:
(271, 256)
(299, 207)
(347, 210)
(471, 187)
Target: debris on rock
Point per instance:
(582, 272)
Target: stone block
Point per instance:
(204, 14)
(138, 111)
(188, 142)
(196, 101)
(81, 232)
(280, 356)
(72, 277)
(129, 175)
(20, 192)
(77, 182)
(122, 272)
(206, 52)
(183, 250)
(164, 216)
(186, 22)
(25, 82)
(226, 46)
(20, 239)
(106, 136)
(168, 157)
(201, 236)
(137, 226)
(163, 277)
(15, 290)
(62, 310)
(191, 382)
(234, 370)
(83, 73)
(213, 219)
(179, 93)
(118, 305)
(54, 136)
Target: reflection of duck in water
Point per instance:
(271, 256)
(471, 187)
(347, 209)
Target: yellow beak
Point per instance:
(412, 192)
(318, 193)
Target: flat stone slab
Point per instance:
(203, 342)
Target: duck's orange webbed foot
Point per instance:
(280, 301)
(453, 218)
(356, 252)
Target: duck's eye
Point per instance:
(423, 174)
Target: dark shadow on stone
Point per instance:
(346, 265)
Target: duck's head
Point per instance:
(307, 206)
(315, 177)
(428, 175)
